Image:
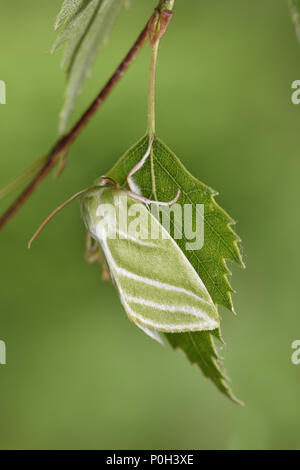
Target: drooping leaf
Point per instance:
(295, 11)
(199, 349)
(160, 178)
(86, 25)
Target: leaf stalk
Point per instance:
(156, 29)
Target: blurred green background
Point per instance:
(78, 373)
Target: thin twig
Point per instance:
(63, 144)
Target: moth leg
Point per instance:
(105, 273)
(150, 201)
(131, 184)
(91, 253)
(94, 254)
(139, 165)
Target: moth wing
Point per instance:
(152, 333)
(158, 287)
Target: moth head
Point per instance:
(106, 181)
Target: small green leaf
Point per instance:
(86, 26)
(160, 178)
(68, 9)
(295, 11)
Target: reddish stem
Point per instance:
(63, 144)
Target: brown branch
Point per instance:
(63, 144)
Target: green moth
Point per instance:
(158, 287)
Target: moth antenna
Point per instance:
(149, 201)
(58, 209)
(139, 164)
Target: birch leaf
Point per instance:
(86, 25)
(199, 348)
(68, 9)
(160, 178)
